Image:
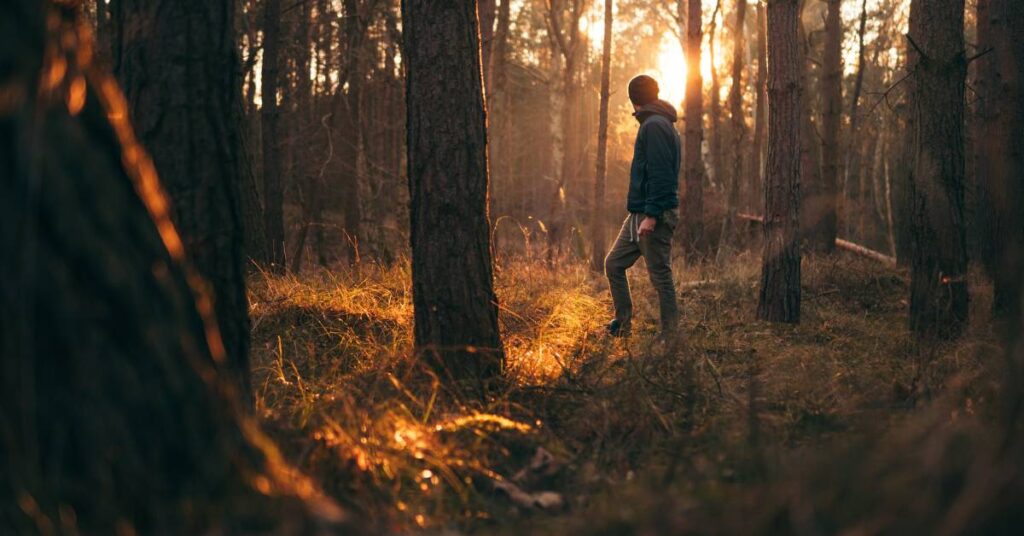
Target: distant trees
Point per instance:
(179, 69)
(456, 311)
(938, 66)
(118, 413)
(779, 297)
(596, 210)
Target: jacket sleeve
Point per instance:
(661, 179)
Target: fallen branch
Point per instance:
(840, 243)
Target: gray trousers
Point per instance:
(656, 249)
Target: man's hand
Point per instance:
(647, 226)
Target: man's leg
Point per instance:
(657, 251)
(622, 256)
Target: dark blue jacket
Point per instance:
(654, 175)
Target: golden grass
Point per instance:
(713, 421)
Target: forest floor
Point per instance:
(839, 422)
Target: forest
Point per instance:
(553, 267)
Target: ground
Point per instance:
(742, 426)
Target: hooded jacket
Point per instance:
(654, 174)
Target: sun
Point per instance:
(670, 70)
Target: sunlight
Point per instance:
(671, 70)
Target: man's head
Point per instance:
(643, 90)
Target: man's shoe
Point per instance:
(618, 329)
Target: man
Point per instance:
(652, 204)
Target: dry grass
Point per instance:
(739, 417)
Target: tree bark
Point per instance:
(597, 208)
(178, 65)
(938, 293)
(114, 393)
(273, 189)
(779, 298)
(821, 236)
(456, 313)
(693, 165)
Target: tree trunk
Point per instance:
(693, 165)
(938, 294)
(456, 312)
(755, 195)
(717, 167)
(273, 189)
(114, 395)
(739, 127)
(852, 167)
(821, 236)
(170, 57)
(486, 13)
(1000, 161)
(779, 299)
(597, 208)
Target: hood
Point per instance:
(658, 107)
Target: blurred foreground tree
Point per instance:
(1000, 157)
(116, 414)
(456, 310)
(938, 67)
(177, 63)
(779, 299)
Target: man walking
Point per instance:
(652, 204)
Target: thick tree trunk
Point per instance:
(456, 310)
(693, 165)
(597, 207)
(273, 189)
(821, 235)
(938, 294)
(779, 299)
(1000, 160)
(179, 70)
(738, 129)
(115, 405)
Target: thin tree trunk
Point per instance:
(938, 295)
(779, 298)
(852, 168)
(755, 195)
(693, 167)
(169, 57)
(739, 127)
(597, 208)
(273, 189)
(717, 167)
(456, 318)
(118, 413)
(821, 236)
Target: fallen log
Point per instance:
(844, 245)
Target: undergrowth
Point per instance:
(739, 426)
